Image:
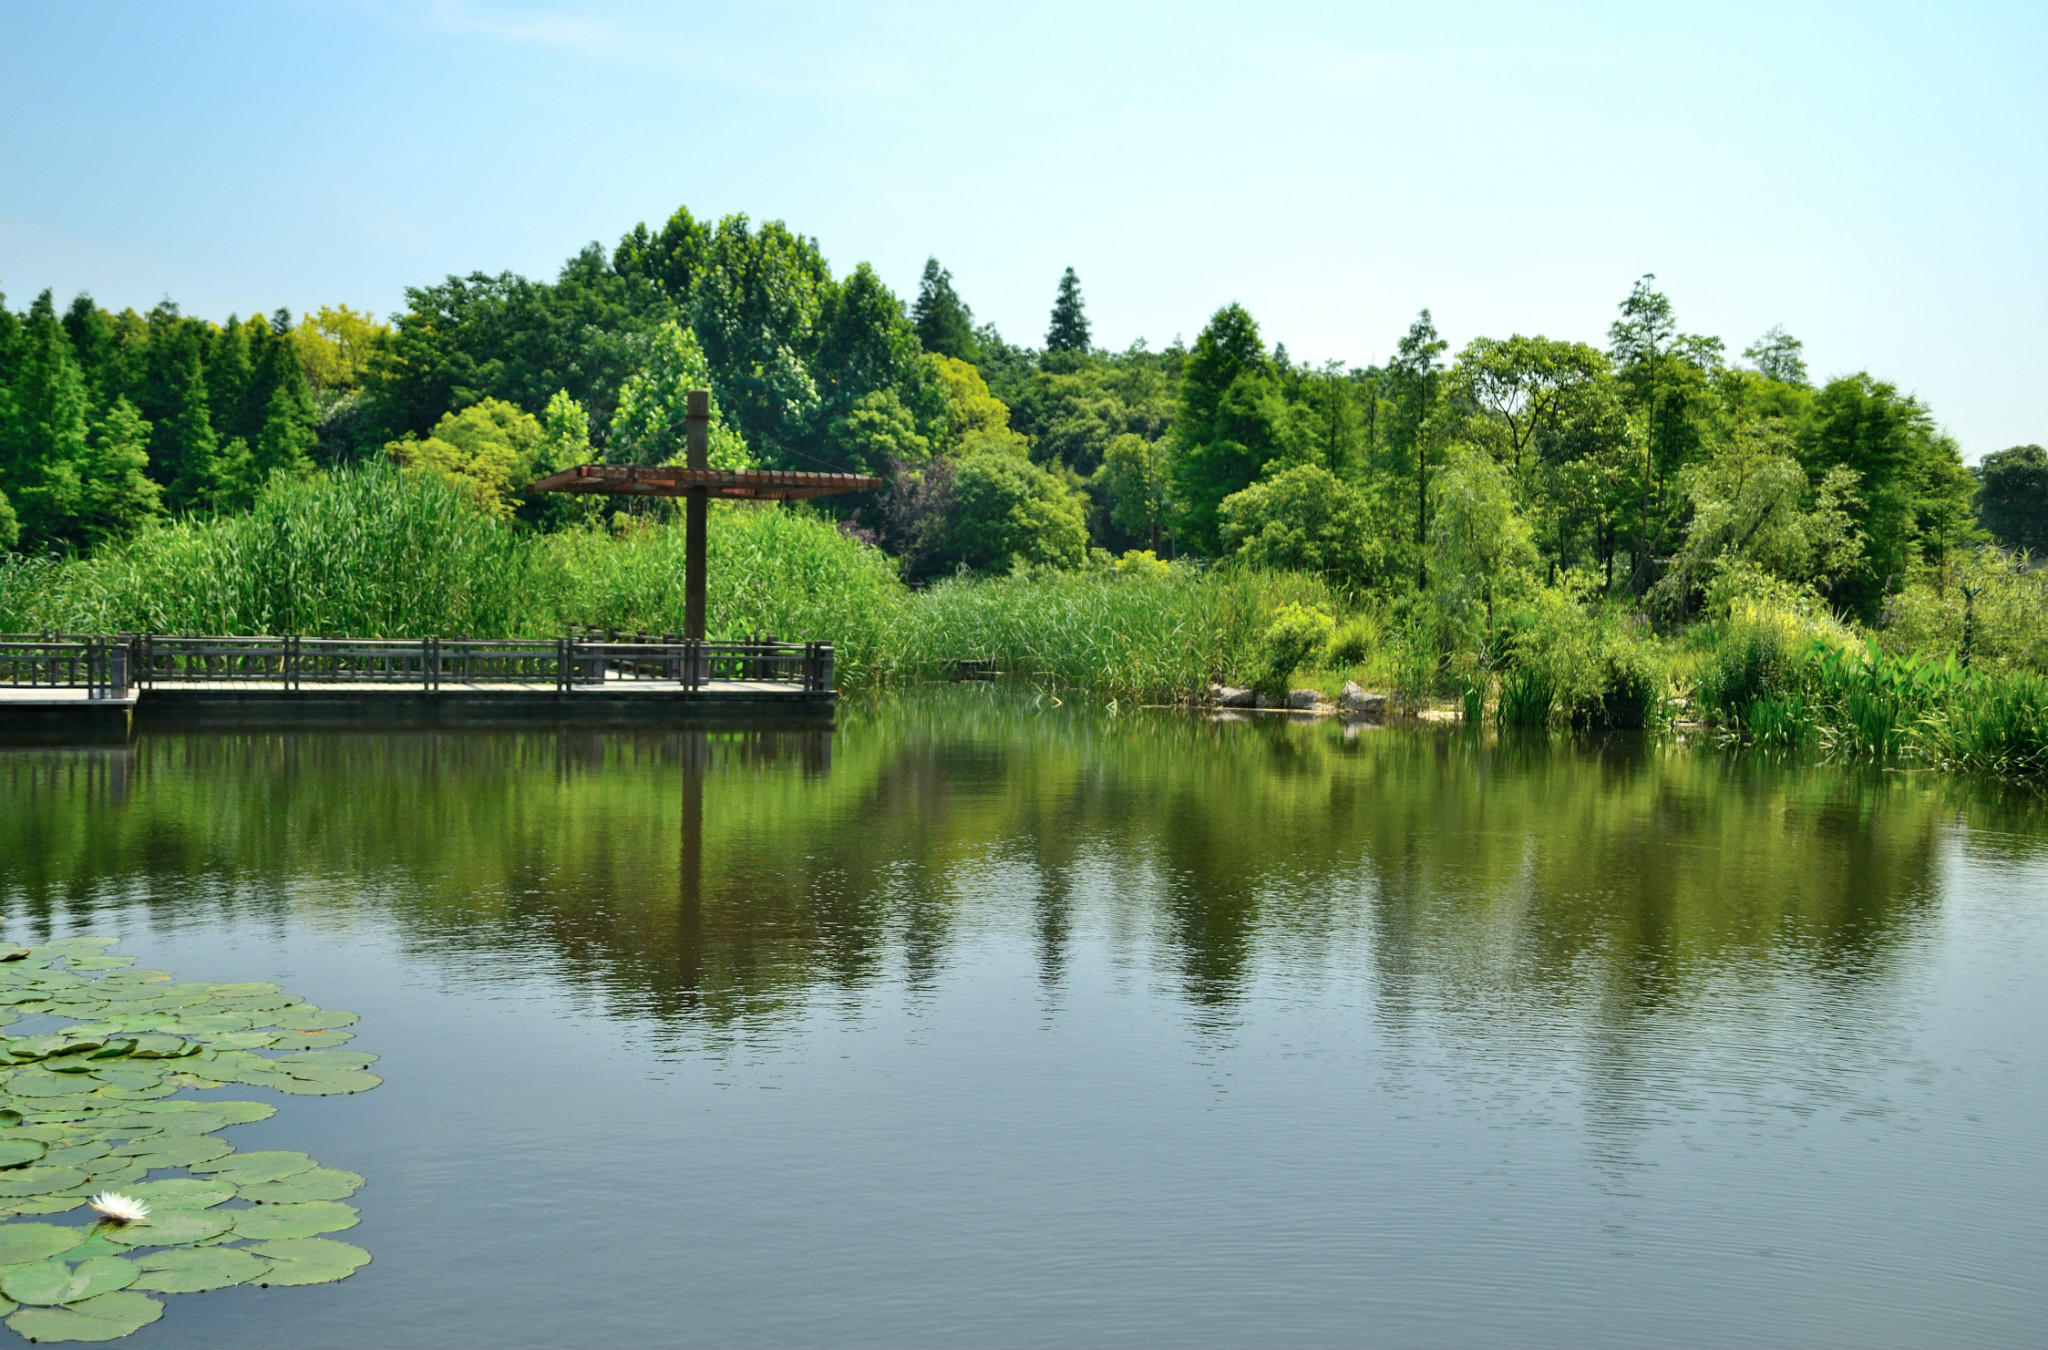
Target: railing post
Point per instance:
(562, 648)
(291, 662)
(430, 664)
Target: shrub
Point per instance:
(1008, 510)
(1303, 519)
(1297, 635)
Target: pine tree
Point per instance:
(184, 445)
(944, 324)
(117, 495)
(47, 428)
(289, 431)
(1068, 331)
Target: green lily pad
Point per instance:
(72, 1155)
(310, 1260)
(171, 1228)
(306, 1219)
(100, 962)
(129, 1076)
(42, 1083)
(236, 1113)
(181, 1193)
(243, 1040)
(160, 1045)
(322, 1183)
(180, 1150)
(21, 1243)
(106, 1318)
(336, 1059)
(267, 1165)
(328, 1082)
(57, 1282)
(194, 1269)
(311, 1040)
(40, 1180)
(9, 1118)
(42, 1204)
(138, 1094)
(18, 1152)
(111, 1171)
(308, 1018)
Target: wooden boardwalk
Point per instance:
(94, 689)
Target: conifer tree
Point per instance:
(944, 324)
(1068, 331)
(184, 446)
(117, 497)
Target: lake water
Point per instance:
(987, 1022)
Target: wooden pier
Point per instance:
(89, 689)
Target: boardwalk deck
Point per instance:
(81, 691)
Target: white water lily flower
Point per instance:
(120, 1208)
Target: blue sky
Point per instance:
(1870, 176)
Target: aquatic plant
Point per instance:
(95, 1102)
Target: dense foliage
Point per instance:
(1515, 524)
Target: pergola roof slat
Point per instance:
(671, 480)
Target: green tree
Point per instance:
(1889, 441)
(1304, 519)
(1777, 355)
(1068, 330)
(488, 451)
(1227, 425)
(1415, 377)
(1006, 510)
(2012, 501)
(1133, 479)
(117, 496)
(945, 325)
(1478, 540)
(650, 424)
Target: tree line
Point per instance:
(1657, 467)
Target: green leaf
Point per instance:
(101, 962)
(310, 1260)
(295, 1220)
(269, 1165)
(311, 1040)
(158, 1045)
(42, 1083)
(40, 1181)
(17, 1152)
(328, 1082)
(308, 1018)
(171, 1228)
(174, 1150)
(194, 1269)
(21, 1243)
(181, 1193)
(106, 1318)
(56, 1282)
(322, 1183)
(337, 1059)
(72, 1155)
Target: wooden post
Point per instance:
(698, 424)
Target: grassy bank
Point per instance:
(379, 553)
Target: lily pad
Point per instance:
(181, 1193)
(161, 1045)
(18, 1152)
(311, 1040)
(42, 1083)
(306, 1018)
(171, 1228)
(42, 1204)
(310, 1260)
(21, 1243)
(302, 1220)
(328, 1082)
(267, 1165)
(174, 1150)
(100, 962)
(40, 1181)
(322, 1183)
(57, 1282)
(72, 1155)
(106, 1318)
(194, 1269)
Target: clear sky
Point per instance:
(1874, 177)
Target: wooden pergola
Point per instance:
(697, 483)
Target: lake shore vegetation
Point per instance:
(1532, 531)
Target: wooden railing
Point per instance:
(99, 665)
(107, 664)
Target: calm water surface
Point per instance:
(985, 1022)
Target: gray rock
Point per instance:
(1356, 701)
(1227, 696)
(1304, 698)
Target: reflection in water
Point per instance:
(708, 877)
(1086, 1028)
